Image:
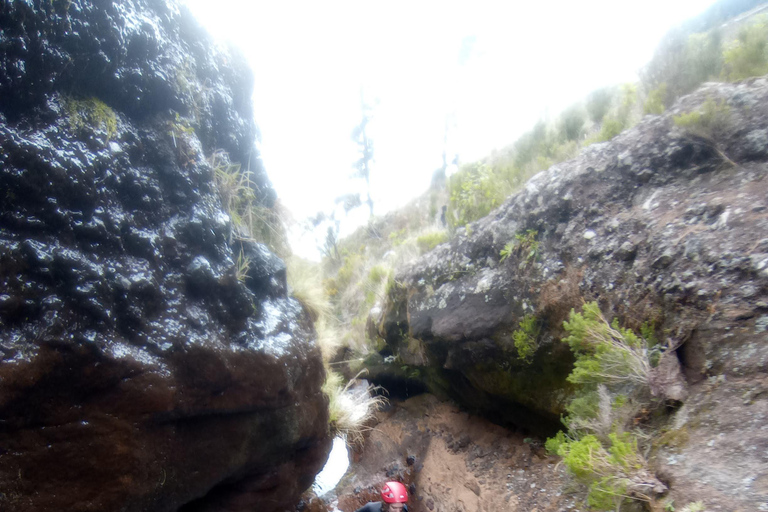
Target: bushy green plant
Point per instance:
(611, 362)
(242, 266)
(525, 338)
(398, 237)
(474, 192)
(656, 101)
(305, 280)
(598, 103)
(351, 263)
(611, 127)
(377, 274)
(572, 122)
(528, 245)
(748, 55)
(525, 246)
(709, 121)
(703, 59)
(612, 471)
(605, 353)
(429, 241)
(91, 113)
(250, 219)
(531, 144)
(506, 251)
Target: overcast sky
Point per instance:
(492, 68)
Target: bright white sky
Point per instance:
(493, 67)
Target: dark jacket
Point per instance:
(376, 506)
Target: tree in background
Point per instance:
(365, 149)
(572, 122)
(331, 221)
(748, 55)
(598, 104)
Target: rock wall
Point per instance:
(663, 224)
(137, 372)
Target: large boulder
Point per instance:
(667, 224)
(139, 369)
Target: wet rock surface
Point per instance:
(137, 372)
(659, 225)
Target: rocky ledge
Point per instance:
(667, 224)
(138, 369)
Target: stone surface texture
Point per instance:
(137, 372)
(662, 224)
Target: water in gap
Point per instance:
(338, 462)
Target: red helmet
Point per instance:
(394, 492)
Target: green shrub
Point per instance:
(91, 113)
(531, 144)
(525, 338)
(703, 59)
(524, 245)
(605, 353)
(250, 219)
(656, 101)
(572, 122)
(611, 127)
(429, 241)
(398, 237)
(747, 56)
(611, 362)
(528, 245)
(598, 103)
(709, 121)
(506, 251)
(474, 192)
(377, 274)
(610, 471)
(350, 266)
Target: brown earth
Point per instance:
(453, 462)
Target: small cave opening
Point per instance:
(398, 388)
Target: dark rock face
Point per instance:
(658, 225)
(136, 371)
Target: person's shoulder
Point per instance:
(374, 506)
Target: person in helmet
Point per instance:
(395, 497)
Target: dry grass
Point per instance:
(351, 407)
(251, 220)
(305, 280)
(559, 296)
(612, 356)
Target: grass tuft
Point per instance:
(91, 113)
(351, 407)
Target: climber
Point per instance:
(394, 496)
